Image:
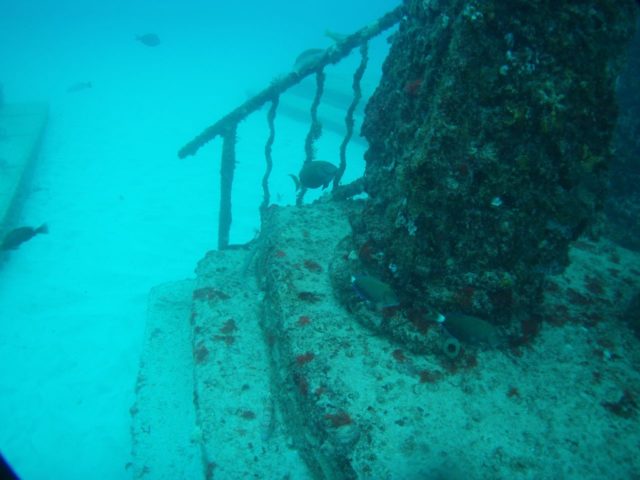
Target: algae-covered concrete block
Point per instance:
(21, 130)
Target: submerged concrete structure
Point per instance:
(490, 143)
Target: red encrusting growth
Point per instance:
(201, 353)
(247, 414)
(465, 297)
(513, 392)
(339, 419)
(301, 383)
(309, 297)
(209, 293)
(312, 266)
(227, 339)
(419, 320)
(412, 87)
(305, 358)
(593, 285)
(228, 327)
(430, 376)
(399, 355)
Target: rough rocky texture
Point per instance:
(490, 135)
(305, 382)
(623, 205)
(240, 434)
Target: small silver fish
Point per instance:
(149, 39)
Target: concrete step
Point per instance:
(288, 381)
(243, 435)
(166, 437)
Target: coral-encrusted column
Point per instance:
(490, 136)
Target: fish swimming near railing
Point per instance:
(315, 174)
(307, 57)
(18, 236)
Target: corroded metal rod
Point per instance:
(271, 116)
(227, 167)
(314, 131)
(331, 55)
(348, 120)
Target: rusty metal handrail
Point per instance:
(227, 126)
(331, 55)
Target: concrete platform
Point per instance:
(287, 383)
(21, 131)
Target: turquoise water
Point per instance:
(124, 213)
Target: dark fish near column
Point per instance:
(149, 39)
(78, 87)
(375, 291)
(470, 329)
(314, 174)
(18, 236)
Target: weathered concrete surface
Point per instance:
(303, 384)
(240, 427)
(490, 140)
(164, 432)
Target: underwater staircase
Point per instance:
(205, 402)
(259, 369)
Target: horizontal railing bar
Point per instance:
(331, 55)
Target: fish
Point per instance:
(375, 291)
(18, 236)
(315, 174)
(471, 329)
(78, 87)
(335, 36)
(307, 57)
(149, 39)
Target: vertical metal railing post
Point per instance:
(348, 120)
(315, 130)
(227, 169)
(266, 197)
(226, 126)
